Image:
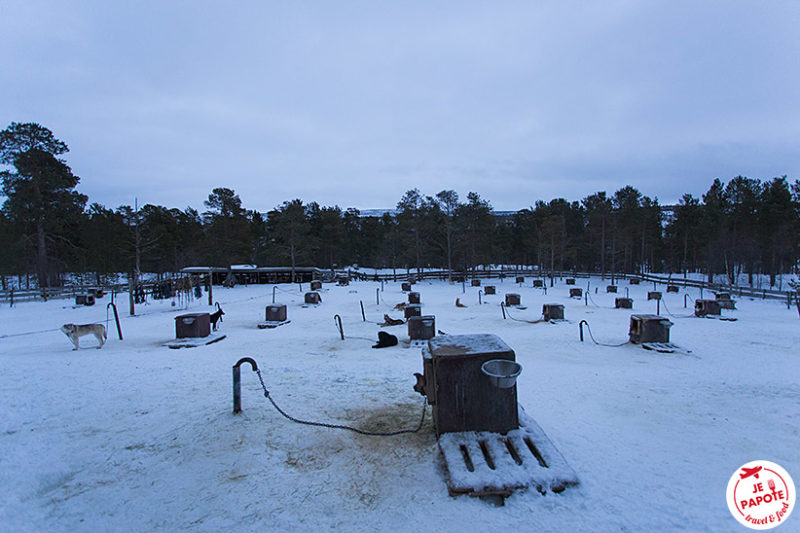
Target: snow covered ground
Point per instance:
(139, 437)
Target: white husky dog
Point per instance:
(75, 332)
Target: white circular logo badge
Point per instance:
(761, 495)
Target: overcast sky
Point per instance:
(353, 103)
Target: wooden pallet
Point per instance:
(272, 324)
(194, 342)
(664, 347)
(723, 318)
(482, 463)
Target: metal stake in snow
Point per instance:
(116, 318)
(237, 382)
(338, 320)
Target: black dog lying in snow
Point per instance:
(385, 340)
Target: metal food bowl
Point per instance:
(502, 372)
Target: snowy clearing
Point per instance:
(139, 437)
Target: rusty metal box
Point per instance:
(192, 325)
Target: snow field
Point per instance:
(138, 437)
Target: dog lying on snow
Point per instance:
(389, 321)
(75, 332)
(385, 340)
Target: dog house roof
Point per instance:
(466, 345)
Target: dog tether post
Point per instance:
(237, 382)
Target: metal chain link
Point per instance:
(339, 426)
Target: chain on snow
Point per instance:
(339, 426)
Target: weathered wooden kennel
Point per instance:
(476, 283)
(707, 307)
(520, 279)
(553, 311)
(512, 299)
(276, 313)
(97, 292)
(611, 288)
(649, 329)
(576, 293)
(634, 281)
(654, 295)
(412, 310)
(538, 283)
(316, 285)
(725, 300)
(421, 327)
(413, 297)
(490, 446)
(192, 325)
(313, 298)
(672, 288)
(623, 303)
(84, 299)
(490, 289)
(461, 395)
(570, 281)
(405, 286)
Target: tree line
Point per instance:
(47, 228)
